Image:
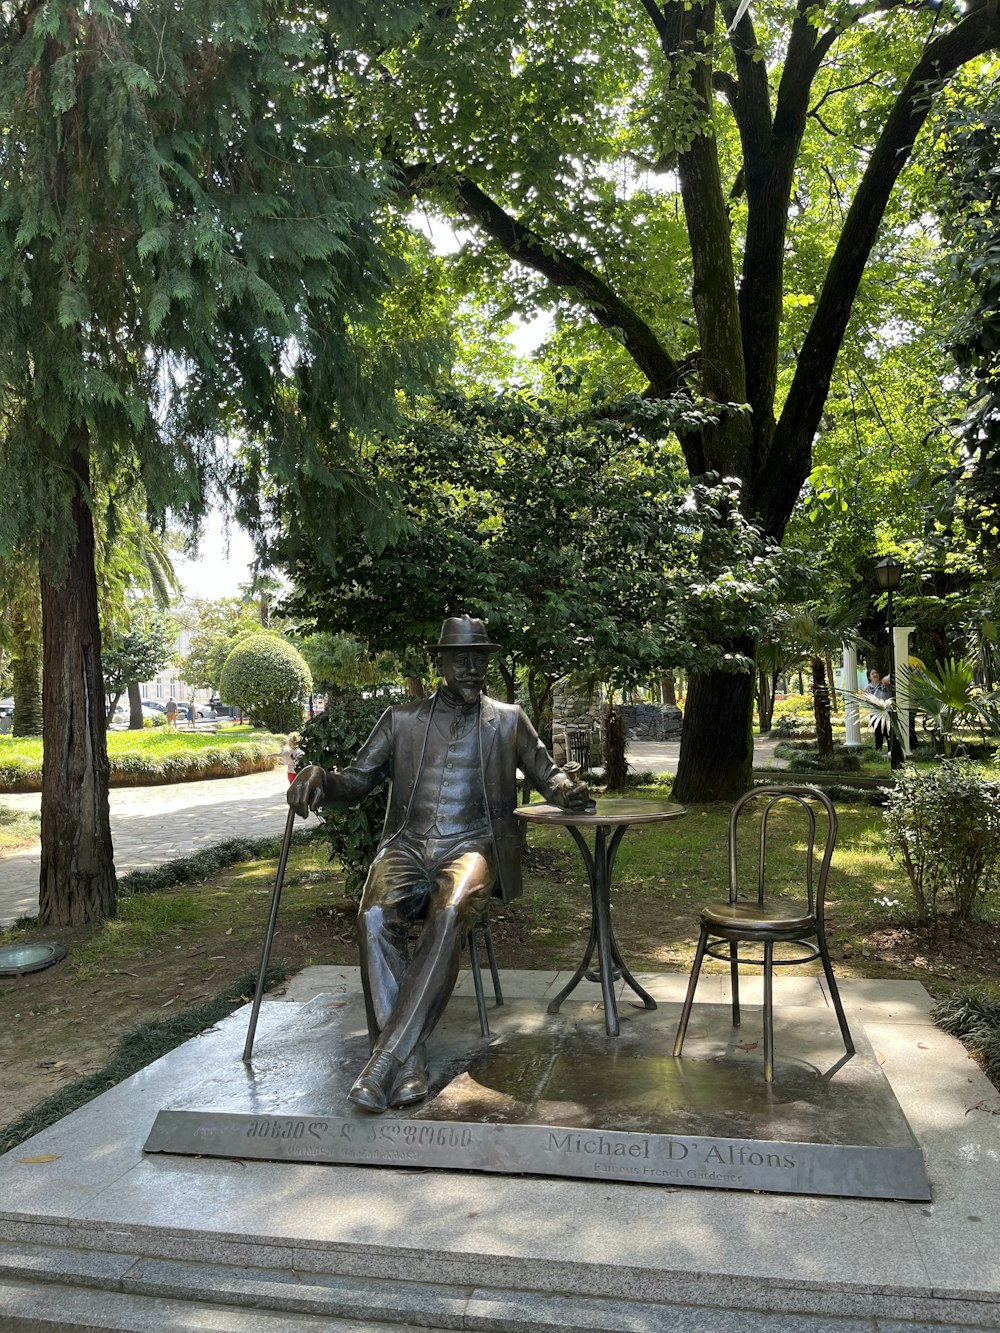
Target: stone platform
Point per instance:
(94, 1234)
(552, 1094)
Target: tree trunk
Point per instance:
(615, 763)
(135, 718)
(765, 702)
(831, 681)
(716, 759)
(668, 690)
(821, 709)
(77, 882)
(26, 673)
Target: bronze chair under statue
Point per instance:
(449, 842)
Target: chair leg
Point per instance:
(689, 997)
(768, 1012)
(734, 981)
(477, 981)
(845, 1031)
(491, 955)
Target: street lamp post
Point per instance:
(889, 573)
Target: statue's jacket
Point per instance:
(508, 742)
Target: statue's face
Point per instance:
(464, 672)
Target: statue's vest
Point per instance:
(449, 798)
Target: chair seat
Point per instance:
(773, 918)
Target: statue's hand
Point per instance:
(306, 793)
(577, 796)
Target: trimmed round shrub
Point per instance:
(267, 678)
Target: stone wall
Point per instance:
(577, 712)
(652, 722)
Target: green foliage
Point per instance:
(220, 625)
(943, 825)
(569, 529)
(973, 1016)
(332, 739)
(808, 759)
(151, 757)
(965, 159)
(787, 724)
(268, 679)
(793, 705)
(341, 663)
(948, 697)
(139, 652)
(179, 212)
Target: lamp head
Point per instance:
(889, 573)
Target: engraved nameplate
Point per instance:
(795, 1168)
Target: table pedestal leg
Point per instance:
(609, 959)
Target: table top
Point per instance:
(610, 810)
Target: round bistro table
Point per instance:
(610, 821)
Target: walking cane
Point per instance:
(269, 937)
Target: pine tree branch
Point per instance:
(788, 463)
(526, 246)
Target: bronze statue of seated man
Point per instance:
(449, 842)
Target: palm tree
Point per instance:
(948, 696)
(820, 638)
(137, 557)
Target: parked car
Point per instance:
(154, 705)
(6, 707)
(201, 711)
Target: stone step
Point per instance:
(36, 1307)
(51, 1287)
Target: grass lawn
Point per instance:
(177, 949)
(18, 828)
(154, 755)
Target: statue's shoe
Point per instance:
(411, 1085)
(375, 1082)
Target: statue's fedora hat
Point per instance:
(462, 632)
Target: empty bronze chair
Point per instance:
(764, 921)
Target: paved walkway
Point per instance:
(151, 825)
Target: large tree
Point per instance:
(184, 250)
(707, 183)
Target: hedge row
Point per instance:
(188, 758)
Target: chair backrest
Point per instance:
(760, 804)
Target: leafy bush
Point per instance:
(332, 739)
(943, 824)
(805, 758)
(797, 705)
(786, 725)
(267, 678)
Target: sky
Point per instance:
(216, 571)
